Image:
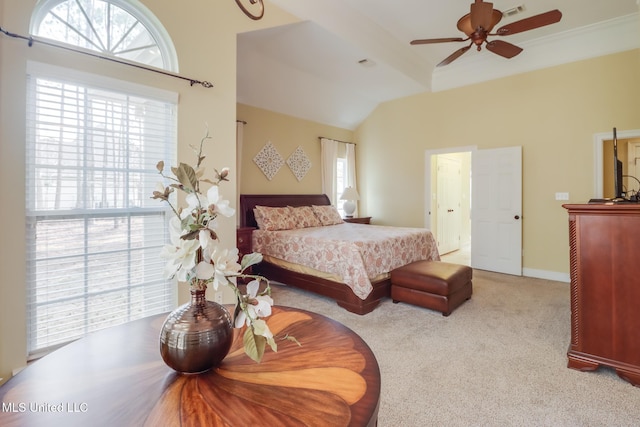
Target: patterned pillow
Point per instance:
(327, 214)
(258, 217)
(305, 217)
(272, 219)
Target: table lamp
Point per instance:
(350, 195)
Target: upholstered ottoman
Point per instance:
(436, 285)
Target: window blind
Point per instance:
(93, 232)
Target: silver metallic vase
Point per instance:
(196, 336)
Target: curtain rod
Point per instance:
(32, 39)
(241, 121)
(337, 140)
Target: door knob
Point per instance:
(517, 217)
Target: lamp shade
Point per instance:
(350, 193)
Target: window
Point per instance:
(338, 169)
(93, 232)
(120, 28)
(341, 182)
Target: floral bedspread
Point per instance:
(354, 252)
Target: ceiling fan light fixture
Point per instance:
(464, 23)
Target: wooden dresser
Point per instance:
(605, 288)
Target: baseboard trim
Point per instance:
(545, 274)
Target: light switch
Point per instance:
(562, 196)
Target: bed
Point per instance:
(357, 279)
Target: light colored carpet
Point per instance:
(498, 360)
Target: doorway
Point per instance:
(490, 205)
(603, 175)
(448, 200)
(449, 216)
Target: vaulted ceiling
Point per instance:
(345, 57)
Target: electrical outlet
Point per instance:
(218, 297)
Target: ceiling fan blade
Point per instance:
(481, 15)
(531, 23)
(503, 48)
(443, 40)
(455, 55)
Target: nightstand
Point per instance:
(245, 246)
(243, 240)
(359, 220)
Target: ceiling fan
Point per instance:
(477, 26)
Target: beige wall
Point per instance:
(552, 113)
(205, 39)
(286, 133)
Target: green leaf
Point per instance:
(250, 259)
(292, 339)
(259, 330)
(190, 235)
(199, 173)
(254, 345)
(186, 176)
(272, 343)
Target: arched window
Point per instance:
(119, 28)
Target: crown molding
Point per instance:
(604, 38)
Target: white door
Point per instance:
(448, 204)
(496, 210)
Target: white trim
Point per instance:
(16, 371)
(547, 275)
(598, 140)
(74, 76)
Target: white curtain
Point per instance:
(239, 141)
(329, 159)
(351, 169)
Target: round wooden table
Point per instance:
(116, 377)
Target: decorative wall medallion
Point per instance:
(299, 163)
(269, 160)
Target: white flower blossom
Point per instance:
(180, 254)
(221, 205)
(206, 239)
(195, 202)
(225, 263)
(261, 308)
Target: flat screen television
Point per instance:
(617, 169)
(618, 188)
(621, 195)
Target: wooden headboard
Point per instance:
(250, 201)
